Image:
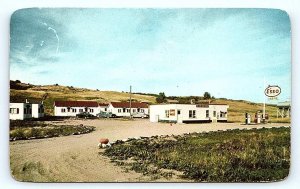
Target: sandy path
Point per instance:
(76, 158)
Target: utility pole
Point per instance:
(264, 107)
(130, 101)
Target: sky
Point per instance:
(182, 52)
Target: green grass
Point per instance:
(225, 156)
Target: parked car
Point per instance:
(85, 115)
(140, 115)
(106, 115)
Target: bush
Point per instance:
(36, 130)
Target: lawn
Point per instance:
(256, 155)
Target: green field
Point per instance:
(226, 156)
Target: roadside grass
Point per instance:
(256, 155)
(24, 130)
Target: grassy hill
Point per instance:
(50, 93)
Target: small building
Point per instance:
(25, 110)
(284, 109)
(122, 109)
(71, 108)
(188, 113)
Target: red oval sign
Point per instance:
(272, 91)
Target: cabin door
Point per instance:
(179, 116)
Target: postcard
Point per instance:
(150, 95)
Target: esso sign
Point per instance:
(272, 91)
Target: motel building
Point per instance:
(71, 108)
(122, 109)
(25, 110)
(188, 113)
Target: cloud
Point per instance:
(224, 51)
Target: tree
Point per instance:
(207, 95)
(161, 98)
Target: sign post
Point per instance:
(272, 91)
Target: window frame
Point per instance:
(167, 113)
(192, 113)
(207, 113)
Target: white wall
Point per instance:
(75, 110)
(158, 112)
(103, 108)
(35, 111)
(218, 109)
(17, 116)
(127, 111)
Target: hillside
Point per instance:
(49, 93)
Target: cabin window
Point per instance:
(207, 113)
(74, 110)
(178, 112)
(142, 110)
(119, 110)
(128, 110)
(63, 110)
(14, 110)
(68, 109)
(192, 113)
(80, 110)
(134, 110)
(172, 112)
(167, 112)
(223, 114)
(105, 109)
(92, 110)
(214, 114)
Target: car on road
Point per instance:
(106, 115)
(85, 115)
(140, 115)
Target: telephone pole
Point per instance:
(264, 106)
(130, 101)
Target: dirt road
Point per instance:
(75, 158)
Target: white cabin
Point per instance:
(25, 110)
(122, 109)
(188, 113)
(71, 108)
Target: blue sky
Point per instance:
(182, 52)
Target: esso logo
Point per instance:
(272, 91)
